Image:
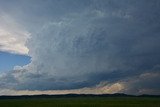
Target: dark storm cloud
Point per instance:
(146, 83)
(105, 40)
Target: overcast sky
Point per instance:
(79, 46)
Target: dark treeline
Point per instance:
(74, 95)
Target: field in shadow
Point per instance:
(73, 100)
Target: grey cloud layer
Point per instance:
(106, 40)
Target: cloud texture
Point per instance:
(12, 36)
(81, 44)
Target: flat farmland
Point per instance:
(82, 102)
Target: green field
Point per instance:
(82, 102)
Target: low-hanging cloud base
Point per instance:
(96, 47)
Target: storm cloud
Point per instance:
(79, 44)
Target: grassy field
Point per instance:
(82, 102)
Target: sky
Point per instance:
(79, 46)
(9, 61)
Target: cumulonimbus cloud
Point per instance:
(106, 41)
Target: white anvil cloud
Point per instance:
(12, 37)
